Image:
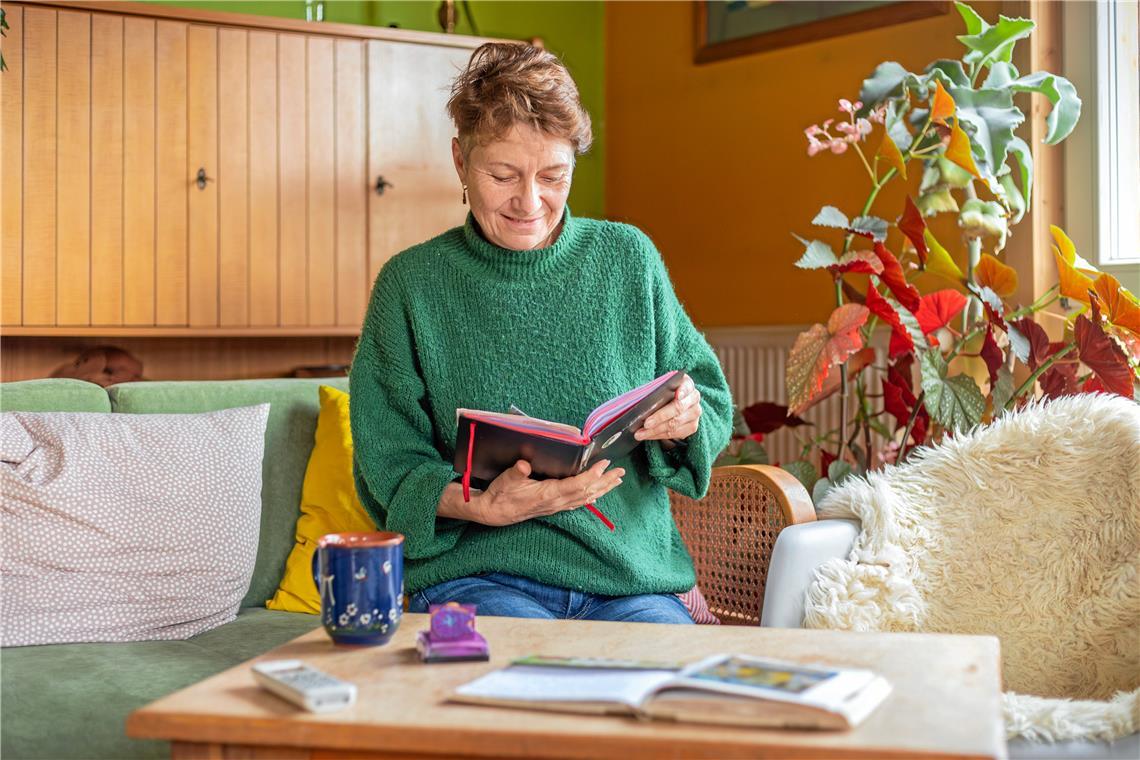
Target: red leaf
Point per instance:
(1059, 380)
(818, 349)
(1101, 354)
(1038, 341)
(991, 354)
(938, 309)
(895, 402)
(825, 460)
(767, 417)
(901, 373)
(901, 342)
(861, 262)
(912, 225)
(1093, 385)
(895, 280)
(921, 422)
(855, 364)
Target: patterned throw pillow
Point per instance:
(127, 527)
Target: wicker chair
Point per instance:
(731, 532)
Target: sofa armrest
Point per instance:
(799, 550)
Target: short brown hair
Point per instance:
(511, 83)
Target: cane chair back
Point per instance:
(730, 534)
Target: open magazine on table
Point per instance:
(728, 689)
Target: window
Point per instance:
(1102, 157)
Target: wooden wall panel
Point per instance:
(351, 185)
(139, 103)
(12, 172)
(39, 166)
(202, 154)
(73, 170)
(26, 358)
(233, 177)
(107, 169)
(172, 178)
(321, 259)
(263, 188)
(413, 154)
(292, 181)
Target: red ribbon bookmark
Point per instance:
(598, 514)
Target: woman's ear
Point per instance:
(460, 163)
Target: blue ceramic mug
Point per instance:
(360, 577)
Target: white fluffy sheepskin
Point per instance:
(1027, 529)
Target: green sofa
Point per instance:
(72, 700)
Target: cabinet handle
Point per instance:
(381, 183)
(201, 179)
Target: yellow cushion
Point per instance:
(328, 504)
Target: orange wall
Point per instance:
(711, 160)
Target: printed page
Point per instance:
(527, 683)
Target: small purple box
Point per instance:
(452, 636)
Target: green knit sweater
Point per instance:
(459, 322)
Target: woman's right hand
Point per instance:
(513, 496)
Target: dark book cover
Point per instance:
(488, 443)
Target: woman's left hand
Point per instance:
(676, 420)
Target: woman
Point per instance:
(528, 305)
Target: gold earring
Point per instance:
(465, 195)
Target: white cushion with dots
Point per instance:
(127, 527)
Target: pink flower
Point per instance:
(838, 146)
(815, 146)
(845, 106)
(864, 127)
(812, 131)
(879, 115)
(845, 127)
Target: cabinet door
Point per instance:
(410, 146)
(12, 172)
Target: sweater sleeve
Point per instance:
(687, 467)
(400, 475)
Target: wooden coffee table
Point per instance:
(946, 701)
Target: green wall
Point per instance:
(575, 30)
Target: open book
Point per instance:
(488, 443)
(725, 689)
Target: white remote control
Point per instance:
(304, 686)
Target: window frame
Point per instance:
(1102, 156)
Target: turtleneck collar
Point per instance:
(514, 264)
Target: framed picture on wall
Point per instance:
(730, 28)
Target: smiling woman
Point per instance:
(528, 305)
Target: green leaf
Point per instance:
(949, 71)
(936, 202)
(838, 471)
(1018, 343)
(956, 402)
(980, 218)
(886, 81)
(739, 424)
(871, 225)
(1002, 391)
(1024, 159)
(820, 489)
(1001, 74)
(752, 452)
(1014, 201)
(992, 118)
(805, 472)
(953, 175)
(726, 459)
(817, 255)
(995, 43)
(975, 24)
(909, 322)
(896, 125)
(1062, 94)
(830, 216)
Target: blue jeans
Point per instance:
(511, 596)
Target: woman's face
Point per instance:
(517, 186)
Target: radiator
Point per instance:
(754, 359)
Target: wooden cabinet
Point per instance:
(178, 172)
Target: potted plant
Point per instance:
(949, 132)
